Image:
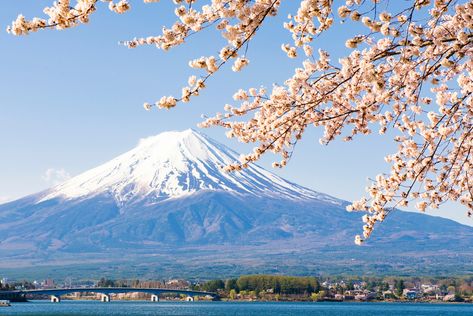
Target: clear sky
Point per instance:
(70, 100)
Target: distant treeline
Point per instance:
(276, 287)
(258, 283)
(22, 284)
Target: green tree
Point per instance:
(104, 282)
(213, 286)
(350, 285)
(231, 284)
(443, 288)
(314, 296)
(384, 286)
(232, 294)
(278, 284)
(451, 289)
(399, 287)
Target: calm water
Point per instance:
(76, 308)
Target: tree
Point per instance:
(443, 289)
(213, 286)
(105, 283)
(384, 286)
(409, 72)
(320, 296)
(232, 294)
(451, 289)
(231, 284)
(399, 287)
(278, 284)
(350, 285)
(314, 296)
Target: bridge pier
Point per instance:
(154, 298)
(105, 298)
(189, 299)
(55, 299)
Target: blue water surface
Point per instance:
(119, 308)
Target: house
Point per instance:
(177, 284)
(411, 294)
(348, 297)
(353, 292)
(366, 296)
(339, 297)
(48, 284)
(449, 298)
(360, 297)
(430, 288)
(359, 285)
(388, 294)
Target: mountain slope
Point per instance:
(174, 164)
(168, 202)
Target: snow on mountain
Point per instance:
(176, 164)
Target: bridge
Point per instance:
(56, 294)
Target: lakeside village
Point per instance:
(281, 288)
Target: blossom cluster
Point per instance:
(62, 15)
(409, 75)
(413, 79)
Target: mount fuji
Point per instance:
(167, 207)
(174, 165)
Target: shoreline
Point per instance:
(258, 301)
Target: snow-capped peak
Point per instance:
(174, 164)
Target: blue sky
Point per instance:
(70, 100)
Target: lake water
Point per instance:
(118, 308)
